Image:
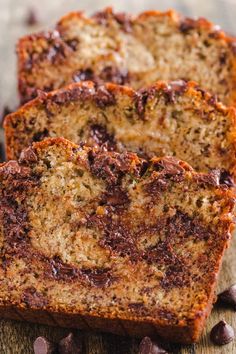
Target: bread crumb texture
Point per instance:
(113, 237)
(119, 48)
(169, 118)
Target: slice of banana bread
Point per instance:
(109, 241)
(114, 47)
(175, 118)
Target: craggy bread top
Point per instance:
(137, 51)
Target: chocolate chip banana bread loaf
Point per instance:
(175, 118)
(114, 47)
(109, 241)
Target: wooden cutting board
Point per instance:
(18, 337)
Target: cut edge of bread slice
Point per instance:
(40, 280)
(168, 118)
(56, 49)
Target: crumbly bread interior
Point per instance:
(117, 48)
(174, 119)
(108, 234)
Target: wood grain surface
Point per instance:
(17, 337)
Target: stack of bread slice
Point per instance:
(116, 204)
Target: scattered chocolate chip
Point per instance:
(101, 137)
(99, 277)
(70, 345)
(187, 25)
(31, 18)
(62, 271)
(222, 333)
(215, 34)
(115, 75)
(43, 346)
(141, 100)
(173, 89)
(28, 155)
(73, 43)
(228, 297)
(116, 197)
(223, 58)
(33, 298)
(226, 179)
(41, 95)
(124, 20)
(104, 97)
(104, 18)
(83, 75)
(38, 136)
(11, 168)
(147, 346)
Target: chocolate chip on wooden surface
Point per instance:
(228, 297)
(31, 18)
(70, 345)
(43, 346)
(147, 346)
(222, 333)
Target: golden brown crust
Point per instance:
(28, 301)
(39, 43)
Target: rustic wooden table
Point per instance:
(17, 337)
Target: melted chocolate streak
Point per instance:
(117, 235)
(16, 228)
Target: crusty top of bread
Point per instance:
(128, 50)
(111, 235)
(169, 118)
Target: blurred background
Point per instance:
(18, 17)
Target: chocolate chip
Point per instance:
(141, 98)
(101, 137)
(28, 155)
(73, 43)
(43, 346)
(226, 179)
(40, 135)
(174, 89)
(62, 271)
(70, 345)
(228, 297)
(222, 333)
(124, 20)
(31, 18)
(10, 168)
(33, 298)
(113, 74)
(104, 97)
(83, 75)
(147, 346)
(99, 277)
(187, 25)
(223, 58)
